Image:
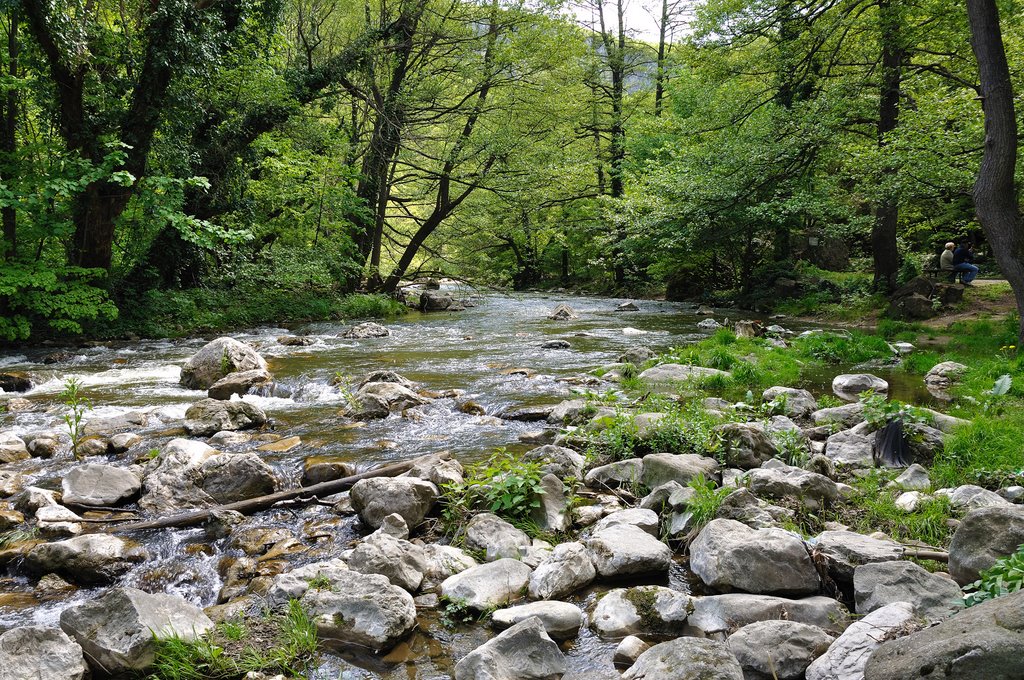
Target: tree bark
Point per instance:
(659, 80)
(9, 215)
(995, 194)
(883, 232)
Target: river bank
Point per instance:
(638, 460)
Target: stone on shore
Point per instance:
(40, 653)
(686, 658)
(489, 585)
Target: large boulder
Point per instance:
(433, 301)
(686, 658)
(843, 551)
(627, 550)
(845, 416)
(88, 560)
(728, 555)
(660, 468)
(944, 374)
(795, 403)
(523, 652)
(495, 537)
(562, 620)
(568, 412)
(745, 445)
(396, 396)
(211, 416)
(983, 642)
(552, 511)
(376, 498)
(402, 562)
(557, 460)
(119, 631)
(984, 536)
(15, 381)
(814, 491)
(368, 329)
(972, 497)
(489, 585)
(851, 385)
(848, 655)
(851, 448)
(240, 383)
(233, 477)
(95, 484)
(668, 374)
(643, 610)
(878, 584)
(172, 480)
(40, 653)
(562, 572)
(217, 359)
(778, 650)
(724, 614)
(358, 609)
(615, 474)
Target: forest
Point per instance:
(283, 153)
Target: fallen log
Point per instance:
(936, 555)
(252, 505)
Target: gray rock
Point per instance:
(686, 658)
(12, 448)
(745, 445)
(402, 562)
(293, 584)
(366, 330)
(568, 412)
(709, 325)
(724, 614)
(555, 344)
(57, 522)
(119, 631)
(909, 501)
(171, 481)
(878, 584)
(489, 585)
(1014, 494)
(561, 620)
(851, 449)
(851, 385)
(217, 359)
(743, 506)
(982, 537)
(728, 555)
(970, 497)
(983, 642)
(848, 655)
(123, 441)
(233, 477)
(646, 520)
(443, 561)
(432, 301)
(495, 537)
(360, 609)
(668, 374)
(643, 610)
(40, 653)
(211, 416)
(95, 484)
(914, 478)
(376, 498)
(396, 396)
(240, 383)
(799, 403)
(636, 356)
(844, 416)
(87, 560)
(660, 468)
(814, 491)
(844, 551)
(615, 474)
(557, 460)
(626, 550)
(629, 650)
(565, 570)
(523, 652)
(563, 313)
(552, 513)
(778, 650)
(944, 374)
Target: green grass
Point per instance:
(989, 452)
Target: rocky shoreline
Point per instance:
(772, 603)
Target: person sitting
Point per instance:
(962, 258)
(946, 260)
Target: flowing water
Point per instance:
(472, 350)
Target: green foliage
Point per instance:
(77, 406)
(985, 451)
(376, 306)
(873, 508)
(792, 446)
(706, 501)
(880, 411)
(832, 348)
(38, 296)
(502, 484)
(689, 429)
(1002, 578)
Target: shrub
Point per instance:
(1002, 578)
(503, 484)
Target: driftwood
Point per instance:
(248, 506)
(936, 555)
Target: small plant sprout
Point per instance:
(77, 406)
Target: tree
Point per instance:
(995, 194)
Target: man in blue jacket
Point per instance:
(962, 258)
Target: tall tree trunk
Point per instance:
(659, 80)
(883, 232)
(995, 194)
(615, 49)
(9, 215)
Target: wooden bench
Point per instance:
(938, 274)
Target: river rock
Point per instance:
(120, 630)
(659, 468)
(565, 570)
(123, 441)
(778, 650)
(914, 478)
(636, 356)
(643, 610)
(878, 584)
(366, 330)
(646, 520)
(15, 381)
(728, 555)
(364, 610)
(12, 448)
(443, 561)
(627, 550)
(985, 641)
(745, 445)
(40, 653)
(615, 474)
(171, 481)
(561, 620)
(402, 562)
(970, 497)
(552, 514)
(568, 412)
(743, 506)
(982, 537)
(666, 374)
(211, 416)
(629, 650)
(217, 359)
(433, 301)
(96, 484)
(798, 403)
(851, 448)
(709, 325)
(495, 537)
(845, 416)
(851, 385)
(240, 383)
(489, 585)
(31, 498)
(86, 560)
(376, 498)
(397, 396)
(57, 522)
(724, 614)
(844, 551)
(557, 460)
(563, 313)
(848, 655)
(944, 374)
(814, 491)
(555, 344)
(686, 658)
(523, 652)
(232, 477)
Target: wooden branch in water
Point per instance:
(248, 506)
